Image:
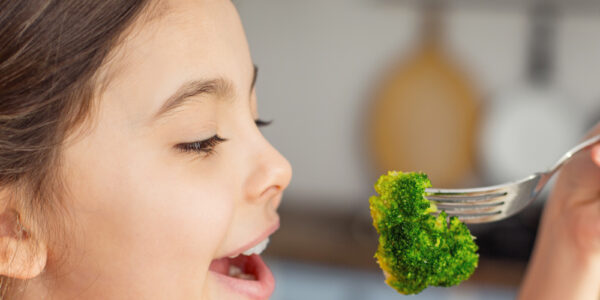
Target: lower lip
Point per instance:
(261, 288)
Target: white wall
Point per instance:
(320, 59)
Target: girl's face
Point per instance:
(174, 174)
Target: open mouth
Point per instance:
(242, 267)
(246, 273)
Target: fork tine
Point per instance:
(474, 205)
(458, 198)
(476, 200)
(480, 218)
(467, 192)
(473, 196)
(453, 209)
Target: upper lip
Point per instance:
(255, 241)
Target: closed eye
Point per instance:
(205, 147)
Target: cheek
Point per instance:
(147, 211)
(191, 217)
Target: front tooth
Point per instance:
(234, 271)
(258, 249)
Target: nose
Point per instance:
(271, 174)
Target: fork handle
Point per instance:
(582, 146)
(546, 176)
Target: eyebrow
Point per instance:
(218, 87)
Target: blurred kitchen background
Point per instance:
(472, 92)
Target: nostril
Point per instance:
(270, 174)
(270, 192)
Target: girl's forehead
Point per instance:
(202, 29)
(189, 40)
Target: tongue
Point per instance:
(240, 267)
(220, 266)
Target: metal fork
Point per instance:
(493, 203)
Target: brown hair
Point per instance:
(50, 52)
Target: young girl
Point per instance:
(131, 162)
(131, 165)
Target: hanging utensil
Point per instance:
(528, 126)
(425, 112)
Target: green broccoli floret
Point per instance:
(417, 249)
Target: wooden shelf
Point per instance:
(342, 240)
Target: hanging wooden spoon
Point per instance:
(424, 115)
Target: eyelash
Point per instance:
(262, 123)
(207, 147)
